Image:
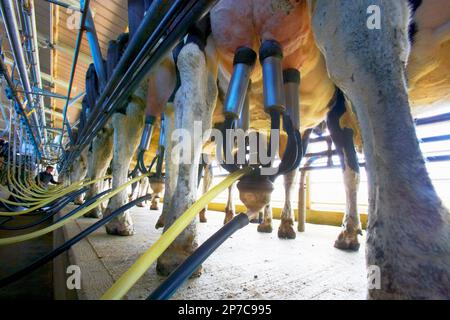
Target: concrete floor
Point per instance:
(39, 284)
(250, 265)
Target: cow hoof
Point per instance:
(140, 205)
(159, 224)
(265, 227)
(347, 241)
(94, 213)
(202, 216)
(154, 207)
(166, 264)
(229, 215)
(118, 230)
(121, 225)
(78, 202)
(286, 231)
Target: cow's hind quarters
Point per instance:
(286, 229)
(347, 241)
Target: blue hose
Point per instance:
(185, 270)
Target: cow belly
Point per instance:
(237, 23)
(429, 61)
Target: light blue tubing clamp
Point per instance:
(244, 62)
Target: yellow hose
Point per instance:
(50, 199)
(50, 196)
(135, 272)
(41, 232)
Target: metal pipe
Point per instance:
(434, 119)
(18, 106)
(244, 61)
(270, 56)
(96, 52)
(132, 68)
(12, 29)
(74, 66)
(147, 26)
(291, 79)
(35, 63)
(244, 119)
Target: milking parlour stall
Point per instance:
(227, 155)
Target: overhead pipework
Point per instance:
(12, 30)
(29, 29)
(12, 95)
(164, 24)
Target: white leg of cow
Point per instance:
(142, 190)
(230, 208)
(78, 173)
(133, 194)
(348, 238)
(343, 137)
(127, 133)
(286, 229)
(207, 181)
(266, 225)
(99, 160)
(408, 235)
(194, 102)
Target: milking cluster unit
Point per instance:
(29, 146)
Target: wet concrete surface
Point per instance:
(249, 265)
(37, 285)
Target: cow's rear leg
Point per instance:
(194, 102)
(266, 225)
(127, 132)
(343, 140)
(230, 208)
(143, 189)
(286, 229)
(408, 233)
(101, 155)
